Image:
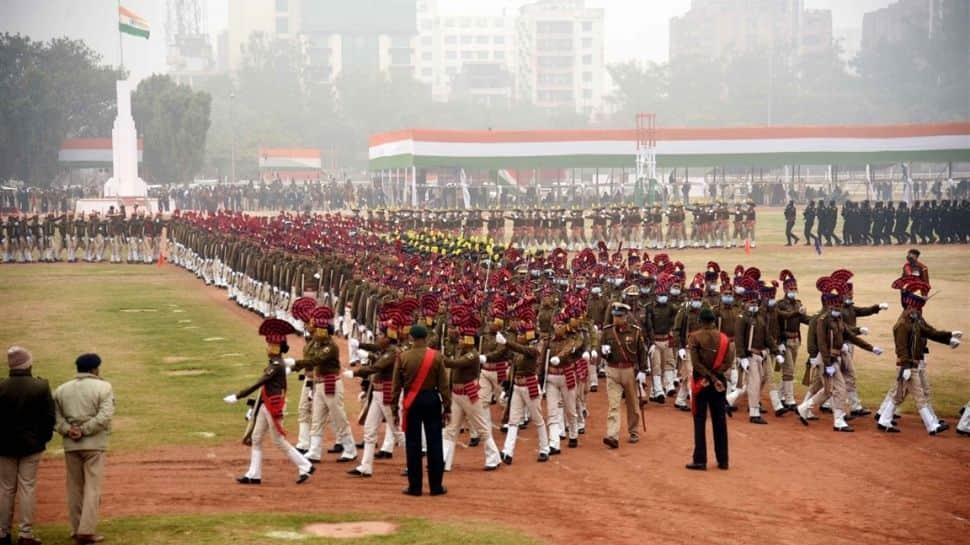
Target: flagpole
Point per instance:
(121, 47)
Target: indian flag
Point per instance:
(132, 24)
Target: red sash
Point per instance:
(274, 405)
(416, 386)
(469, 389)
(695, 385)
(570, 374)
(329, 382)
(387, 389)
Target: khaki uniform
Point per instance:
(467, 405)
(381, 374)
(525, 397)
(560, 397)
(628, 355)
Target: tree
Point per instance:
(638, 88)
(49, 92)
(173, 121)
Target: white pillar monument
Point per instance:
(124, 150)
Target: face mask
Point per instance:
(580, 286)
(695, 304)
(644, 291)
(792, 295)
(618, 282)
(771, 303)
(662, 299)
(836, 313)
(596, 290)
(727, 299)
(753, 309)
(674, 291)
(849, 301)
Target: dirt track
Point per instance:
(787, 484)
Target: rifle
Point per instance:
(509, 389)
(545, 367)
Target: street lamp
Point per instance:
(232, 140)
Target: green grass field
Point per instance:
(260, 529)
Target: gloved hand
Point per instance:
(554, 360)
(845, 347)
(830, 370)
(780, 359)
(745, 362)
(289, 362)
(586, 355)
(876, 350)
(347, 373)
(801, 309)
(500, 339)
(361, 396)
(642, 377)
(593, 354)
(863, 331)
(781, 348)
(883, 306)
(682, 354)
(652, 349)
(354, 344)
(957, 334)
(954, 342)
(230, 399)
(605, 349)
(906, 374)
(482, 359)
(816, 361)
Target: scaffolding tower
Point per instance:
(646, 146)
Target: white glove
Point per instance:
(348, 374)
(289, 362)
(781, 347)
(500, 339)
(652, 349)
(354, 344)
(801, 309)
(361, 396)
(863, 331)
(906, 374)
(954, 342)
(554, 360)
(745, 362)
(845, 347)
(249, 414)
(957, 334)
(816, 361)
(594, 354)
(482, 359)
(780, 359)
(605, 349)
(230, 399)
(830, 370)
(876, 350)
(682, 354)
(642, 377)
(883, 306)
(586, 355)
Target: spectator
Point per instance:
(85, 406)
(26, 427)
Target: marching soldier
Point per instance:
(753, 344)
(323, 358)
(625, 351)
(659, 324)
(525, 385)
(267, 413)
(560, 385)
(302, 310)
(911, 333)
(791, 315)
(466, 404)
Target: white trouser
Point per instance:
(462, 408)
(377, 412)
(558, 397)
(521, 402)
(264, 425)
(330, 407)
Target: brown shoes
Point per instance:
(84, 539)
(611, 442)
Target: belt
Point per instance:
(662, 337)
(521, 381)
(620, 365)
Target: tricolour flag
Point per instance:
(130, 23)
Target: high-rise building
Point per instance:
(559, 55)
(816, 33)
(367, 35)
(718, 29)
(906, 17)
(447, 44)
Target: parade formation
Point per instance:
(522, 338)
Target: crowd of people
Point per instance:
(510, 326)
(865, 223)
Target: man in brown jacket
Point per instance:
(427, 404)
(26, 427)
(712, 355)
(85, 407)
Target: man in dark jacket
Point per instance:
(26, 427)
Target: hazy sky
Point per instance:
(635, 29)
